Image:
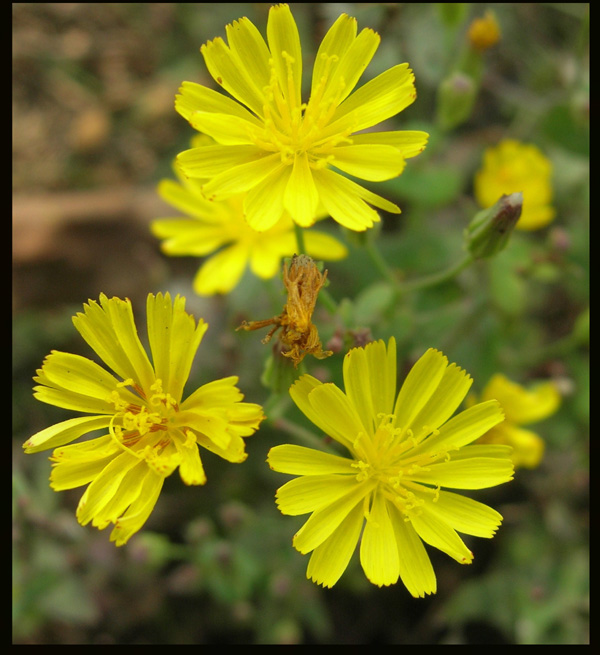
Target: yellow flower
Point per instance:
(221, 226)
(148, 430)
(284, 152)
(521, 407)
(517, 167)
(403, 449)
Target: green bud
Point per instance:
(456, 97)
(489, 232)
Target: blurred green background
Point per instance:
(94, 130)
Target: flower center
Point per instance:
(293, 128)
(144, 429)
(386, 456)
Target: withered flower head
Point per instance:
(303, 281)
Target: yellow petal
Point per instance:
(225, 129)
(320, 245)
(463, 429)
(527, 446)
(409, 143)
(120, 313)
(230, 72)
(470, 472)
(342, 201)
(222, 272)
(299, 460)
(321, 524)
(439, 535)
(263, 205)
(218, 393)
(337, 414)
(286, 53)
(247, 43)
(450, 393)
(464, 514)
(312, 493)
(104, 486)
(211, 424)
(89, 450)
(212, 160)
(418, 387)
(191, 469)
(378, 547)
(521, 405)
(415, 566)
(370, 380)
(77, 473)
(189, 237)
(80, 375)
(335, 44)
(266, 255)
(174, 340)
(64, 432)
(194, 97)
(139, 511)
(187, 201)
(379, 99)
(329, 560)
(369, 162)
(301, 198)
(129, 491)
(234, 452)
(351, 65)
(241, 178)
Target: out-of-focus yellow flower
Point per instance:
(484, 32)
(148, 431)
(404, 450)
(521, 406)
(285, 153)
(219, 227)
(511, 167)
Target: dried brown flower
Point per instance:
(303, 282)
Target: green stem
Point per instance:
(436, 278)
(380, 263)
(419, 283)
(300, 239)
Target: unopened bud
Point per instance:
(456, 97)
(489, 232)
(484, 32)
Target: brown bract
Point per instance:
(303, 282)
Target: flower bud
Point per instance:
(489, 232)
(484, 32)
(456, 97)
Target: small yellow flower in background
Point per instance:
(512, 167)
(484, 32)
(282, 151)
(521, 406)
(148, 430)
(403, 449)
(221, 226)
